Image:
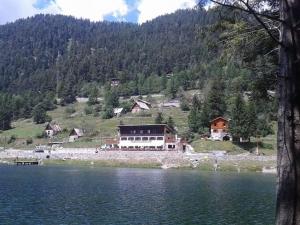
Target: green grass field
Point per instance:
(98, 129)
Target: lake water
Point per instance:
(76, 195)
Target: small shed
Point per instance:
(140, 105)
(118, 112)
(52, 129)
(114, 82)
(75, 134)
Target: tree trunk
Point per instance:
(288, 165)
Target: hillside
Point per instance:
(38, 50)
(222, 56)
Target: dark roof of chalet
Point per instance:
(220, 117)
(148, 125)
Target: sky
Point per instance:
(136, 11)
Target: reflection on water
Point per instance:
(69, 195)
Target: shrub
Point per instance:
(11, 139)
(70, 110)
(41, 135)
(29, 141)
(88, 110)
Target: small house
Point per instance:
(140, 105)
(219, 129)
(75, 134)
(52, 129)
(118, 112)
(114, 82)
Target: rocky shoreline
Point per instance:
(162, 159)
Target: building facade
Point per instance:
(75, 134)
(52, 129)
(148, 137)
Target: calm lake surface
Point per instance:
(77, 195)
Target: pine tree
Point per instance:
(39, 114)
(171, 123)
(238, 124)
(159, 118)
(216, 100)
(93, 96)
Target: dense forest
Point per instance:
(222, 53)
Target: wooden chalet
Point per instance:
(52, 129)
(140, 106)
(75, 134)
(219, 129)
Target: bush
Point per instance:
(41, 135)
(12, 139)
(88, 110)
(29, 141)
(108, 113)
(70, 110)
(98, 108)
(184, 105)
(95, 114)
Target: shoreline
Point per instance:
(146, 159)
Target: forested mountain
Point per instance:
(47, 55)
(38, 50)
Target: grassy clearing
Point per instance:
(266, 147)
(239, 166)
(97, 128)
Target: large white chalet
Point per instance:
(148, 137)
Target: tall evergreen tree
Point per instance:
(159, 118)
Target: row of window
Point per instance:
(141, 132)
(217, 131)
(144, 147)
(141, 138)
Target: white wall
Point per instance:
(142, 143)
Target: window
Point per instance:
(123, 138)
(152, 138)
(170, 146)
(134, 131)
(130, 139)
(215, 124)
(137, 138)
(141, 131)
(215, 131)
(160, 138)
(149, 131)
(145, 138)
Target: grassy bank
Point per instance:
(100, 163)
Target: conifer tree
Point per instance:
(238, 123)
(170, 122)
(159, 118)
